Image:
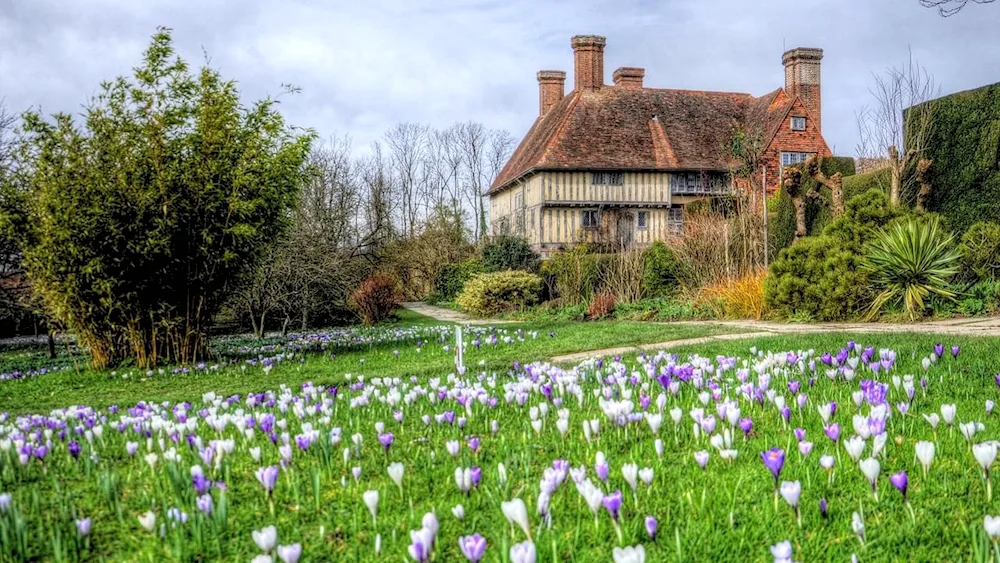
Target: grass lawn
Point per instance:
(125, 386)
(335, 446)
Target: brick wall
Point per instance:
(786, 140)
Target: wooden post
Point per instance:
(763, 189)
(459, 364)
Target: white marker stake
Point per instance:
(458, 350)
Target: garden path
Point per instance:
(447, 315)
(989, 326)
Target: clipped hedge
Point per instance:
(861, 183)
(499, 292)
(661, 271)
(507, 252)
(964, 147)
(781, 230)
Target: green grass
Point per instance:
(724, 513)
(129, 385)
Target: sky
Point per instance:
(366, 65)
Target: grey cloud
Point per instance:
(364, 66)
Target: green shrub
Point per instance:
(983, 298)
(662, 310)
(820, 277)
(509, 253)
(867, 181)
(450, 278)
(498, 292)
(575, 275)
(660, 271)
(909, 262)
(981, 252)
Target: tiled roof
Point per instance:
(640, 129)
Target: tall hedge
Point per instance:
(782, 227)
(964, 147)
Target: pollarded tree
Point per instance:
(136, 223)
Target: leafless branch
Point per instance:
(949, 8)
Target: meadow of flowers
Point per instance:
(791, 455)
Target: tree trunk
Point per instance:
(52, 345)
(836, 195)
(925, 185)
(800, 218)
(896, 173)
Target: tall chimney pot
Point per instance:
(588, 61)
(802, 79)
(551, 89)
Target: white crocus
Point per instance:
(517, 513)
(992, 526)
(858, 525)
(630, 472)
(396, 471)
(148, 520)
(458, 511)
(870, 468)
(646, 476)
(933, 419)
(636, 554)
(371, 501)
(948, 413)
(925, 454)
(265, 538)
(854, 446)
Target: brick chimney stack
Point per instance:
(629, 77)
(802, 79)
(588, 61)
(551, 89)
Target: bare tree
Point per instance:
(897, 127)
(950, 7)
(407, 144)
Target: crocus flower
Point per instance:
(925, 454)
(83, 526)
(746, 425)
(782, 552)
(870, 468)
(473, 547)
(386, 440)
(774, 460)
(986, 454)
(832, 431)
(205, 504)
(458, 511)
(74, 449)
(651, 526)
(954, 351)
(371, 501)
(516, 512)
(265, 538)
(992, 526)
(268, 477)
(702, 458)
(613, 504)
(791, 491)
(823, 508)
(900, 481)
(396, 471)
(631, 554)
(290, 553)
(148, 521)
(523, 552)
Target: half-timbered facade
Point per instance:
(624, 160)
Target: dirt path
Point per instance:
(447, 315)
(757, 329)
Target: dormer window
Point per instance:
(798, 124)
(607, 178)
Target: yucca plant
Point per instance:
(909, 262)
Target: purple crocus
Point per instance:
(83, 526)
(132, 447)
(786, 413)
(774, 460)
(954, 351)
(746, 425)
(474, 445)
(939, 349)
(205, 504)
(900, 481)
(832, 431)
(386, 440)
(475, 475)
(651, 526)
(473, 547)
(823, 507)
(268, 477)
(74, 449)
(613, 504)
(800, 434)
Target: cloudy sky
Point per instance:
(364, 65)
